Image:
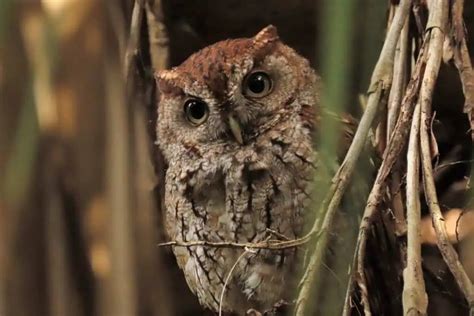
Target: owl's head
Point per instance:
(232, 92)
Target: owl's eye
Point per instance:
(196, 111)
(257, 85)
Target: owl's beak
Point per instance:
(235, 129)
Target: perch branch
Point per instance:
(415, 299)
(446, 248)
(270, 244)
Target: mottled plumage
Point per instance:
(239, 162)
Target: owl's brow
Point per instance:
(190, 86)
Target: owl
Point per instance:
(235, 125)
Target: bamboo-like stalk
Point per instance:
(122, 292)
(152, 279)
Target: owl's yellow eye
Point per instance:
(196, 111)
(257, 85)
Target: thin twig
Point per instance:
(453, 163)
(415, 299)
(266, 244)
(440, 9)
(229, 275)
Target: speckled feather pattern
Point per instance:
(220, 190)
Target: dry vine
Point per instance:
(439, 27)
(426, 72)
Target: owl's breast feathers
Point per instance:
(242, 196)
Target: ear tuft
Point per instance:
(264, 42)
(266, 35)
(166, 81)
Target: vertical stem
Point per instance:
(336, 40)
(122, 291)
(415, 300)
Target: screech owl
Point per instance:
(235, 125)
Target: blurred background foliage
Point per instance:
(79, 170)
